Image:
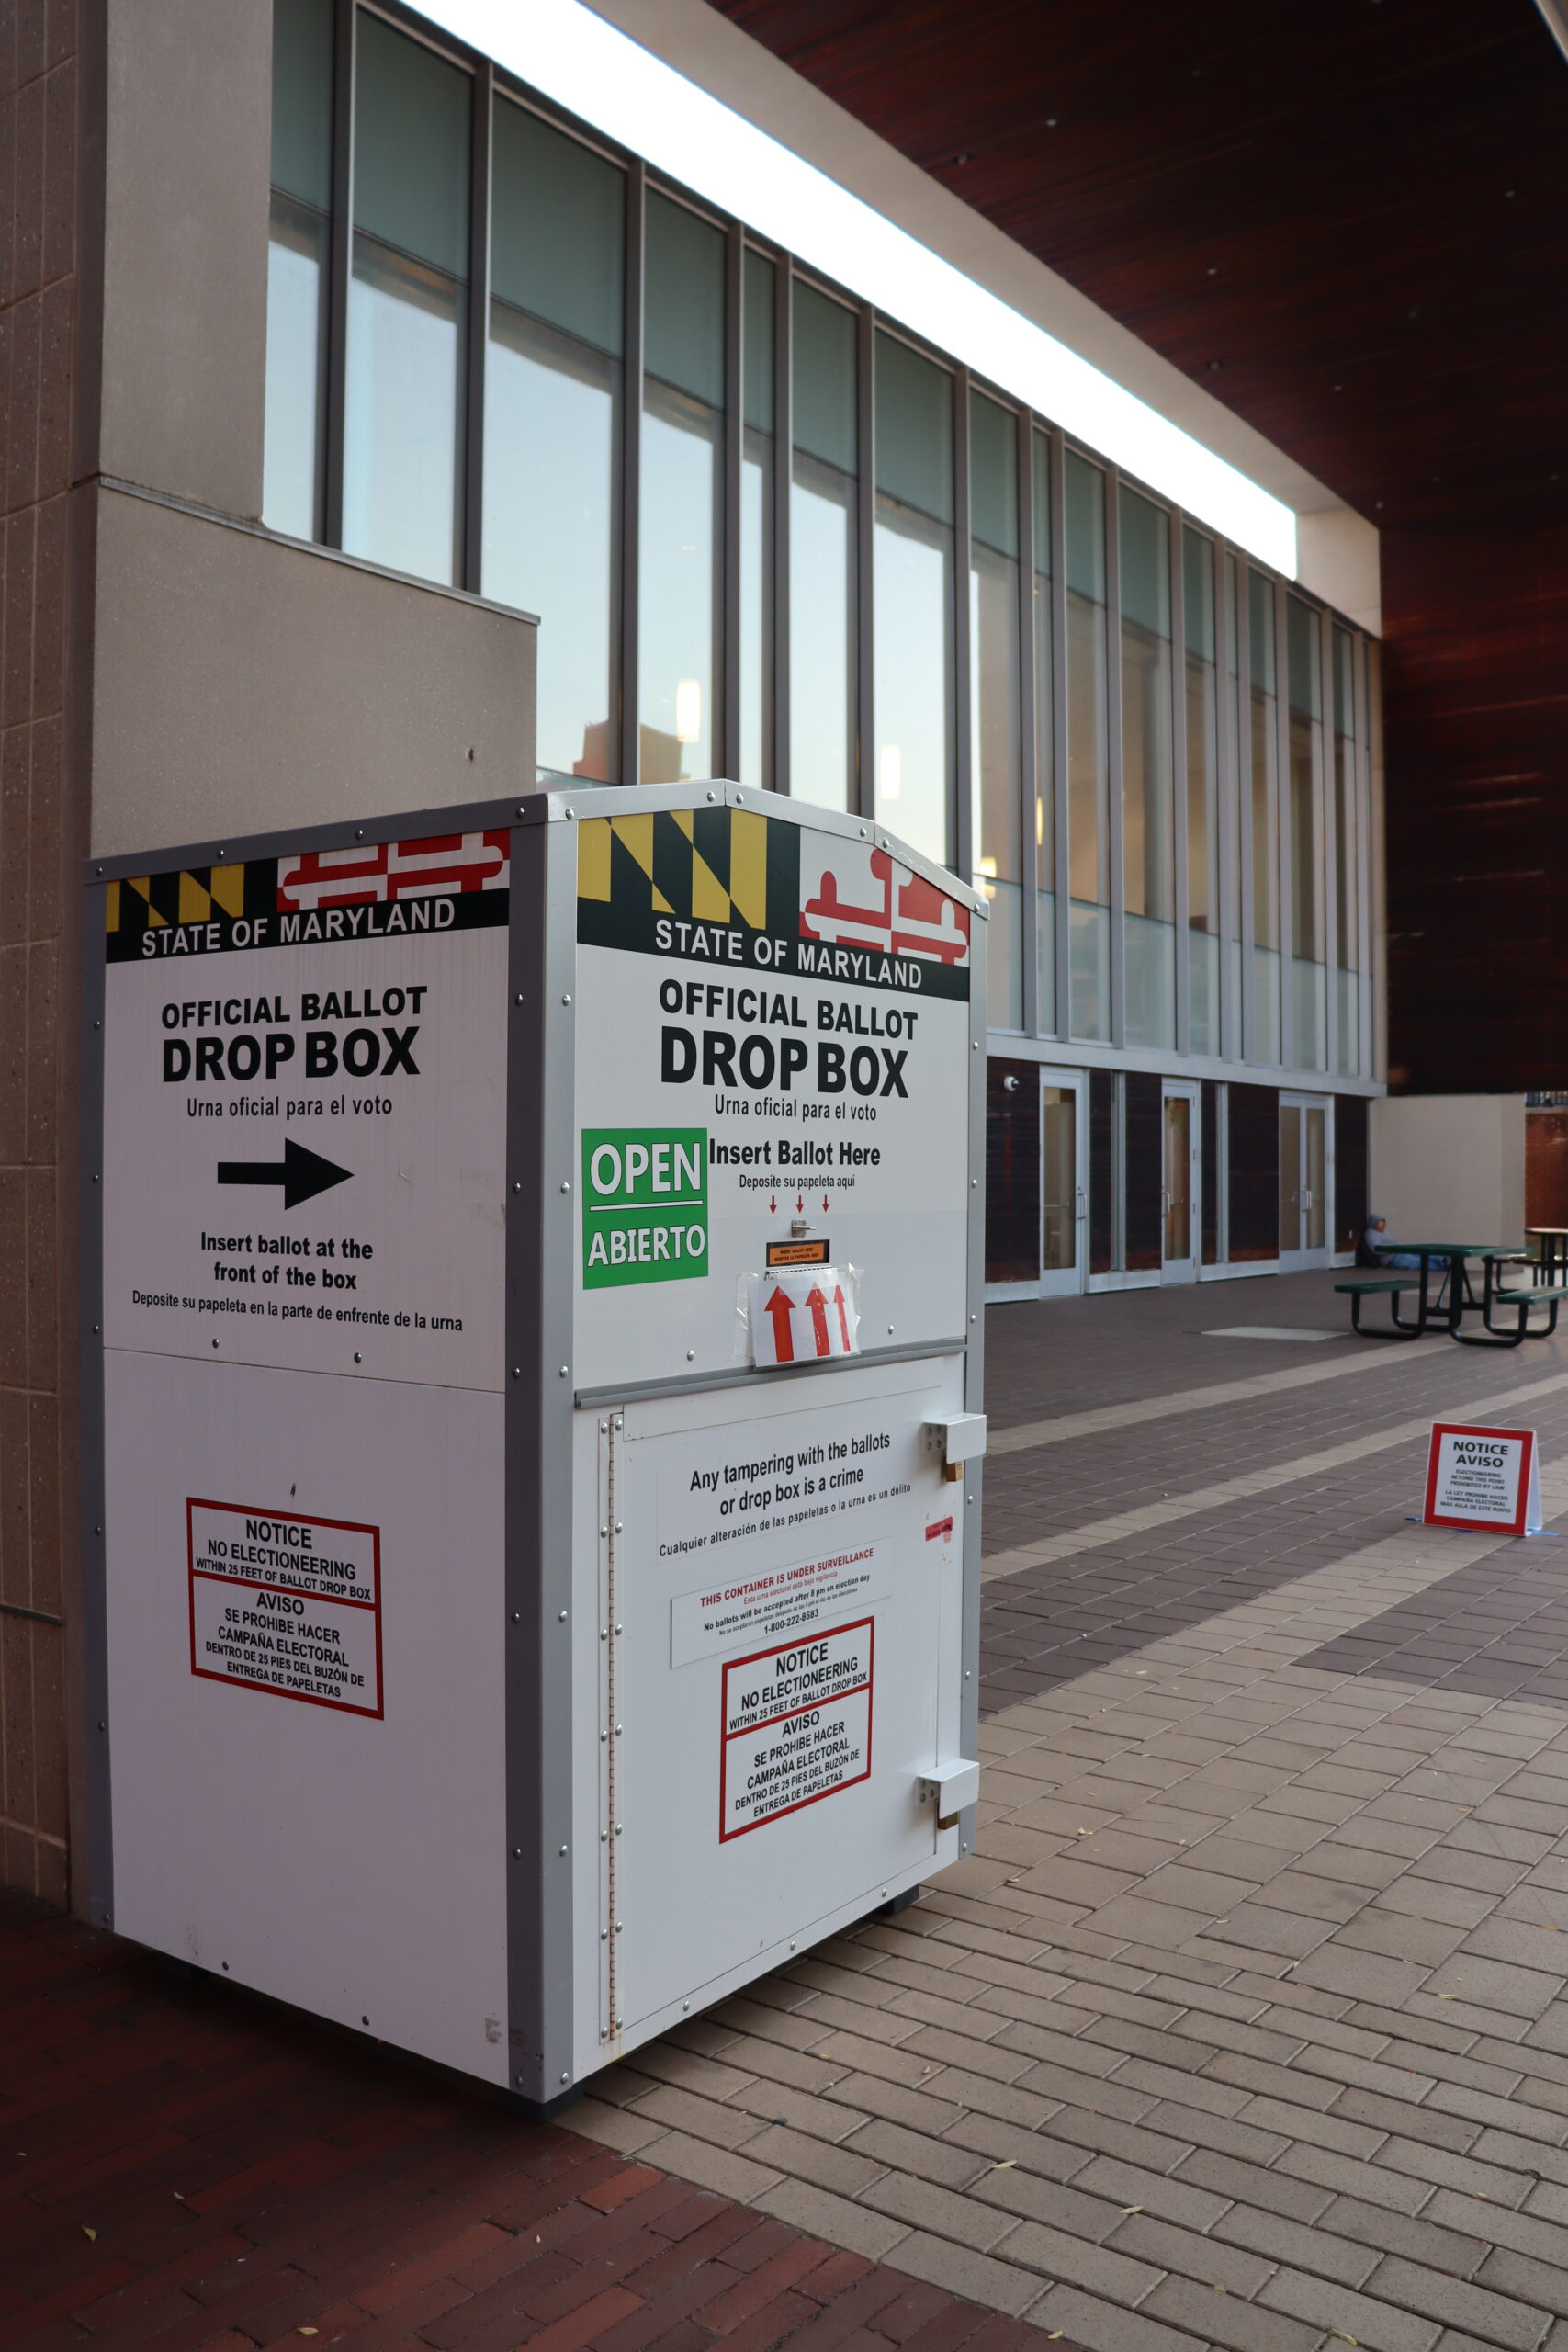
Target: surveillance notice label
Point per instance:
(1483, 1478)
(287, 1605)
(796, 1726)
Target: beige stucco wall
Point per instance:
(1449, 1167)
(242, 683)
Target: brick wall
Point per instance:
(41, 845)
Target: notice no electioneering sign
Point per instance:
(304, 1110)
(772, 1026)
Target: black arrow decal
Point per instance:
(301, 1173)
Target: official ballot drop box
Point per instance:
(532, 1407)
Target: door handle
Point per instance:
(1080, 1203)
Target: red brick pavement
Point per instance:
(184, 2168)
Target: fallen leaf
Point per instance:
(1217, 2288)
(1005, 2163)
(1131, 2208)
(179, 2196)
(1345, 2339)
(86, 2233)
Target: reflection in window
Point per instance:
(403, 444)
(1088, 773)
(913, 561)
(552, 425)
(1308, 976)
(1346, 854)
(683, 494)
(756, 524)
(1264, 1045)
(297, 267)
(994, 700)
(1045, 747)
(1149, 856)
(822, 552)
(1202, 812)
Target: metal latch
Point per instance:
(952, 1785)
(958, 1440)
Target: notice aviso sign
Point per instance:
(1483, 1479)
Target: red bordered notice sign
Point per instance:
(1483, 1479)
(796, 1726)
(284, 1604)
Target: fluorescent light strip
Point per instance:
(585, 65)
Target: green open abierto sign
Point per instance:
(644, 1205)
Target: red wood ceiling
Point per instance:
(1348, 220)
(1345, 220)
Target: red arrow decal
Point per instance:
(784, 1344)
(843, 1318)
(817, 1302)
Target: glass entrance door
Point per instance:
(1063, 1144)
(1304, 1184)
(1179, 1196)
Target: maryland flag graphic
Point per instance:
(224, 894)
(710, 865)
(803, 900)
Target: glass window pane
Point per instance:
(302, 100)
(683, 494)
(402, 442)
(759, 296)
(825, 377)
(1089, 775)
(298, 249)
(683, 328)
(914, 677)
(1346, 854)
(1265, 821)
(822, 565)
(821, 632)
(914, 429)
(914, 649)
(296, 343)
(1148, 854)
(1236, 707)
(993, 474)
(1309, 978)
(401, 434)
(994, 622)
(1044, 748)
(758, 293)
(558, 229)
(682, 502)
(1203, 780)
(410, 148)
(553, 426)
(552, 441)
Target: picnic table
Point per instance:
(1553, 1240)
(1446, 1313)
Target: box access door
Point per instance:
(752, 1692)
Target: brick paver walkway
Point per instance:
(183, 2166)
(1244, 2027)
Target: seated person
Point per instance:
(1371, 1251)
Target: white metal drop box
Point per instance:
(531, 1348)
